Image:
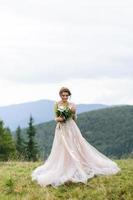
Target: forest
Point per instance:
(108, 129)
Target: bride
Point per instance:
(72, 158)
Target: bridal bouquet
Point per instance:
(64, 112)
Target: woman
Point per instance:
(72, 158)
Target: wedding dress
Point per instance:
(72, 158)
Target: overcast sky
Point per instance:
(84, 45)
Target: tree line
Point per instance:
(17, 147)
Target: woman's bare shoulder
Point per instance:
(72, 104)
(69, 102)
(57, 102)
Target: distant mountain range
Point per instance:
(41, 110)
(110, 130)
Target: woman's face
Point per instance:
(64, 96)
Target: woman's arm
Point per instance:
(55, 110)
(57, 118)
(73, 109)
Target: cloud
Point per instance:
(52, 41)
(106, 91)
(85, 45)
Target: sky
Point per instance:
(85, 45)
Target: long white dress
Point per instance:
(72, 158)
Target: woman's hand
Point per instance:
(59, 119)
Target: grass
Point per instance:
(16, 184)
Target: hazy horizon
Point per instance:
(25, 102)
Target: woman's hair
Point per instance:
(64, 89)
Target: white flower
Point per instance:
(61, 107)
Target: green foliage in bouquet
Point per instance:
(64, 112)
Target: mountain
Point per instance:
(42, 111)
(110, 130)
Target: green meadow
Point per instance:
(16, 184)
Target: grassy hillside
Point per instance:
(16, 184)
(110, 130)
